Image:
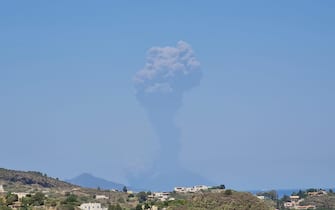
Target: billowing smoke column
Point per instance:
(168, 73)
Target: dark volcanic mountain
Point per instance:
(90, 181)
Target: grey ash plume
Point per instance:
(160, 85)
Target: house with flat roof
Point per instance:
(91, 206)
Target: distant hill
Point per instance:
(90, 181)
(31, 178)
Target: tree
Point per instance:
(27, 201)
(38, 199)
(142, 196)
(286, 198)
(138, 207)
(5, 208)
(124, 189)
(66, 207)
(11, 198)
(272, 194)
(303, 194)
(51, 202)
(311, 190)
(2, 201)
(69, 203)
(221, 186)
(114, 207)
(228, 192)
(71, 199)
(146, 206)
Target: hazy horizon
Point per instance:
(249, 100)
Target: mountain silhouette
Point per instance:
(90, 181)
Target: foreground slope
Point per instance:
(221, 201)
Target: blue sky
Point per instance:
(262, 117)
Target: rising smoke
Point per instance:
(168, 73)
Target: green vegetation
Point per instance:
(11, 198)
(215, 201)
(222, 187)
(142, 196)
(124, 189)
(43, 192)
(31, 178)
(114, 207)
(320, 198)
(228, 192)
(34, 200)
(322, 201)
(272, 195)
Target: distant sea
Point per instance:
(283, 192)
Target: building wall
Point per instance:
(91, 206)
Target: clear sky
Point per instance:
(262, 116)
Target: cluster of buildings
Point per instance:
(162, 196)
(295, 200)
(165, 196)
(294, 203)
(20, 195)
(191, 189)
(317, 193)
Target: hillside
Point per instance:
(222, 200)
(43, 192)
(31, 178)
(322, 202)
(60, 194)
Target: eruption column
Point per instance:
(160, 86)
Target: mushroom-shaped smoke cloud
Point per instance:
(160, 85)
(168, 70)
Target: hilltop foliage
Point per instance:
(32, 178)
(219, 201)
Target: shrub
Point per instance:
(228, 192)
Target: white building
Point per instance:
(91, 206)
(288, 205)
(101, 197)
(1, 189)
(21, 195)
(180, 189)
(200, 187)
(162, 196)
(261, 197)
(191, 189)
